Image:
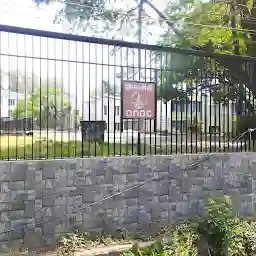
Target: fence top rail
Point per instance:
(120, 43)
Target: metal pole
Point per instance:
(139, 64)
(239, 110)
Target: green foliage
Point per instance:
(206, 25)
(48, 107)
(98, 16)
(217, 225)
(69, 244)
(225, 233)
(156, 249)
(220, 230)
(244, 123)
(195, 125)
(184, 240)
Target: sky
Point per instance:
(79, 67)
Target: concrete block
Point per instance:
(18, 171)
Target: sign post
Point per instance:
(138, 102)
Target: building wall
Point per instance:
(9, 98)
(9, 101)
(168, 118)
(56, 196)
(104, 108)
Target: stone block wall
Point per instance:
(41, 200)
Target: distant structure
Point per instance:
(8, 99)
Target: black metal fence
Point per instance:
(60, 81)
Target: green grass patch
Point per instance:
(22, 147)
(28, 147)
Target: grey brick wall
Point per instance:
(33, 192)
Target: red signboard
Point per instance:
(139, 100)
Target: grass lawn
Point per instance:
(27, 147)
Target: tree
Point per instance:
(109, 89)
(223, 27)
(46, 106)
(18, 81)
(99, 16)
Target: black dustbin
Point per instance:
(93, 131)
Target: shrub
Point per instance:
(195, 125)
(244, 123)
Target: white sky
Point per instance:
(78, 78)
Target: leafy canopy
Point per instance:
(46, 105)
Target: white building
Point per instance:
(8, 99)
(215, 117)
(105, 108)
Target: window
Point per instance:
(11, 102)
(177, 107)
(105, 110)
(117, 110)
(10, 113)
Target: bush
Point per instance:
(222, 233)
(195, 125)
(244, 123)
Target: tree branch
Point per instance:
(233, 26)
(163, 17)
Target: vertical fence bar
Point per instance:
(139, 120)
(216, 107)
(108, 64)
(166, 103)
(89, 100)
(198, 129)
(202, 127)
(188, 106)
(62, 114)
(32, 98)
(55, 100)
(18, 134)
(40, 100)
(145, 120)
(83, 100)
(8, 92)
(226, 123)
(47, 100)
(129, 120)
(25, 95)
(162, 70)
(102, 97)
(155, 120)
(116, 106)
(122, 107)
(94, 127)
(74, 123)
